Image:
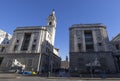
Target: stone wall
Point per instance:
(79, 61)
(29, 60)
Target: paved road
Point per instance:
(16, 77)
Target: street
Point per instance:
(17, 77)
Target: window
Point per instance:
(3, 48)
(7, 42)
(89, 47)
(1, 59)
(117, 46)
(26, 41)
(89, 40)
(78, 32)
(33, 47)
(78, 37)
(47, 50)
(100, 44)
(17, 41)
(80, 59)
(15, 47)
(50, 23)
(79, 47)
(99, 38)
(35, 40)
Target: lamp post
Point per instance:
(40, 52)
(38, 66)
(51, 66)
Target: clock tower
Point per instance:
(51, 25)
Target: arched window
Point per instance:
(50, 23)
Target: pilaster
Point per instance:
(40, 41)
(94, 40)
(21, 41)
(31, 42)
(11, 47)
(83, 42)
(75, 43)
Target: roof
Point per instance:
(30, 28)
(95, 25)
(116, 38)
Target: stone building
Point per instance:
(116, 43)
(33, 48)
(115, 46)
(65, 64)
(90, 49)
(4, 40)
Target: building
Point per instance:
(4, 37)
(65, 64)
(32, 47)
(90, 49)
(4, 40)
(116, 43)
(115, 46)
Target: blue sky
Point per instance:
(15, 13)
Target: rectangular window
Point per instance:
(79, 47)
(117, 46)
(26, 41)
(89, 47)
(100, 44)
(2, 49)
(89, 40)
(17, 41)
(1, 59)
(33, 47)
(35, 40)
(15, 47)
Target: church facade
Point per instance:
(91, 51)
(33, 48)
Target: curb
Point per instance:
(73, 78)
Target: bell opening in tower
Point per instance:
(50, 23)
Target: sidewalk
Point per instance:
(8, 75)
(15, 75)
(77, 78)
(88, 77)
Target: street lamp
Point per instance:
(39, 60)
(51, 66)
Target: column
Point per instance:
(39, 49)
(105, 39)
(30, 43)
(94, 40)
(11, 47)
(75, 43)
(83, 42)
(21, 41)
(40, 39)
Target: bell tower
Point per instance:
(51, 25)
